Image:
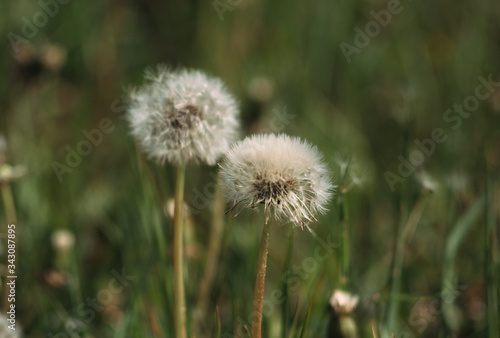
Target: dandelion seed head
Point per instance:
(183, 116)
(285, 174)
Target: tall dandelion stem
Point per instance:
(344, 243)
(179, 297)
(258, 298)
(212, 261)
(8, 200)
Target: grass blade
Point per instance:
(453, 242)
(302, 333)
(492, 279)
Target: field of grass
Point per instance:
(401, 97)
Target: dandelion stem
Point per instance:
(179, 298)
(345, 231)
(258, 298)
(8, 201)
(344, 244)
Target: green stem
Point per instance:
(8, 201)
(344, 244)
(491, 258)
(258, 298)
(212, 261)
(345, 230)
(179, 297)
(406, 229)
(454, 239)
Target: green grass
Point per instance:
(394, 91)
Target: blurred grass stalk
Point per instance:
(179, 297)
(8, 202)
(407, 227)
(211, 265)
(452, 316)
(346, 322)
(491, 259)
(285, 309)
(345, 257)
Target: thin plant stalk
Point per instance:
(406, 230)
(344, 244)
(213, 253)
(454, 240)
(179, 297)
(344, 230)
(285, 309)
(8, 201)
(491, 259)
(258, 298)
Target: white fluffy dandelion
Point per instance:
(285, 174)
(183, 116)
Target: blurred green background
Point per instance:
(65, 68)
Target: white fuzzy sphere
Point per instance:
(183, 116)
(285, 174)
(63, 240)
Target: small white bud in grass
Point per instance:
(9, 173)
(183, 116)
(343, 303)
(427, 181)
(63, 240)
(285, 174)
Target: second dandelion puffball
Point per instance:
(183, 116)
(285, 174)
